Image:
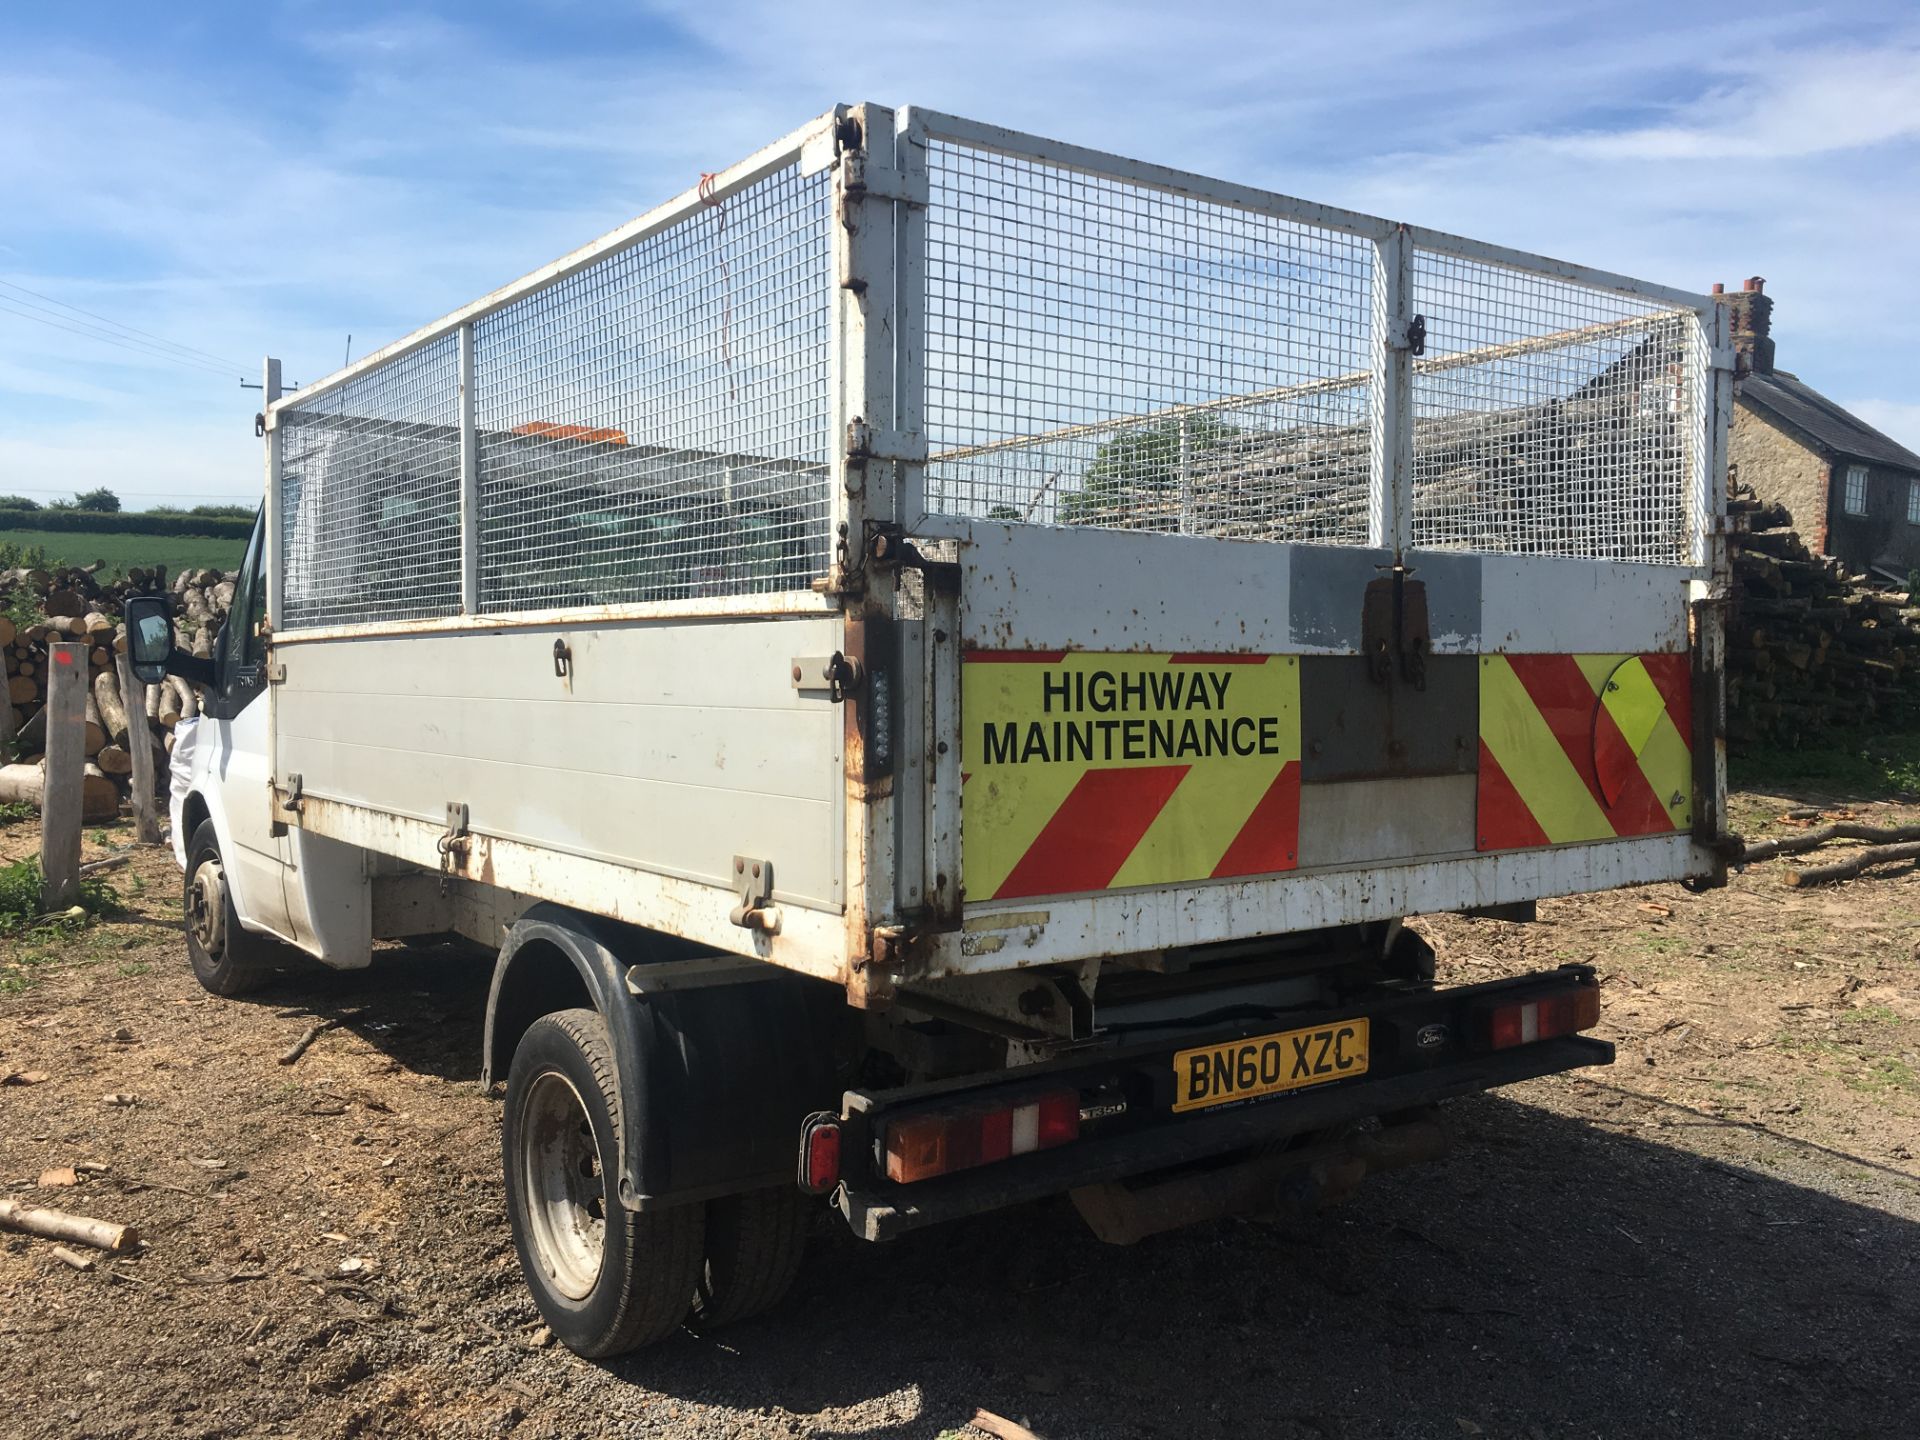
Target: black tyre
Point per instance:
(755, 1243)
(227, 959)
(607, 1279)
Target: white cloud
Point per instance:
(1782, 105)
(412, 164)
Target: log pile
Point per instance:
(69, 604)
(1811, 649)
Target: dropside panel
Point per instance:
(662, 746)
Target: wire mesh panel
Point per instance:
(1107, 353)
(370, 495)
(1551, 418)
(655, 426)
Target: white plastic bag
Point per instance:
(180, 781)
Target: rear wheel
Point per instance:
(227, 958)
(605, 1278)
(755, 1243)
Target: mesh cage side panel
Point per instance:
(655, 426)
(1551, 418)
(370, 495)
(1105, 353)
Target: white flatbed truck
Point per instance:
(936, 664)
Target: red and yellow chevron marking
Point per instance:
(1583, 747)
(1087, 771)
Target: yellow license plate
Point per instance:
(1269, 1064)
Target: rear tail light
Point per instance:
(1524, 1021)
(940, 1142)
(819, 1154)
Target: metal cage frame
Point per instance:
(875, 365)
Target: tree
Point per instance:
(103, 500)
(18, 502)
(1141, 467)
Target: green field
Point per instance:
(176, 552)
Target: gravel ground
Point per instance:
(1720, 1235)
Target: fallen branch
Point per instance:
(72, 1257)
(1847, 869)
(58, 1225)
(299, 1047)
(1814, 839)
(999, 1425)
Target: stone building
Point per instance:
(1854, 492)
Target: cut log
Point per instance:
(23, 784)
(114, 760)
(106, 701)
(7, 630)
(58, 1225)
(21, 689)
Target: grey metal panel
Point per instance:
(1324, 592)
(1454, 597)
(1358, 822)
(1031, 587)
(669, 747)
(1352, 727)
(1547, 605)
(1327, 586)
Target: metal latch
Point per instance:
(458, 836)
(753, 883)
(562, 659)
(296, 787)
(836, 674)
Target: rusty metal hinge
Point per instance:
(864, 443)
(1394, 631)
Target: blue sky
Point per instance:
(270, 178)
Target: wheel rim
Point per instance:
(207, 906)
(565, 1190)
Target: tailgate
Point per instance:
(1169, 741)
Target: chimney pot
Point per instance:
(1719, 288)
(1757, 284)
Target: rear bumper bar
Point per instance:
(877, 1209)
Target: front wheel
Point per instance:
(227, 958)
(605, 1278)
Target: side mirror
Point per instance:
(149, 636)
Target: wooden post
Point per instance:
(6, 727)
(66, 774)
(140, 747)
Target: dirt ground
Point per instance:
(1720, 1235)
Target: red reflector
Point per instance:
(1059, 1119)
(823, 1158)
(1525, 1021)
(940, 1142)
